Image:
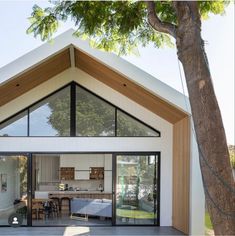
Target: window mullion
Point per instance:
(73, 110)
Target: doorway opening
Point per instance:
(14, 187)
(137, 189)
(72, 189)
(81, 189)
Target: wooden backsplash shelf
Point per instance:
(96, 172)
(67, 173)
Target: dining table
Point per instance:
(39, 204)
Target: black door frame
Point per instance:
(29, 189)
(156, 190)
(29, 156)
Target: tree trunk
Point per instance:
(213, 151)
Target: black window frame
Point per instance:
(72, 86)
(157, 181)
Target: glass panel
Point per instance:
(13, 188)
(128, 126)
(51, 117)
(72, 189)
(16, 126)
(95, 117)
(135, 190)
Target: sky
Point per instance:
(218, 33)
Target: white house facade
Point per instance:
(87, 138)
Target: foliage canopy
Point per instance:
(117, 26)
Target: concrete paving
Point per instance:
(86, 231)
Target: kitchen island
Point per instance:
(74, 194)
(63, 198)
(80, 194)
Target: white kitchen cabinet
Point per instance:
(108, 173)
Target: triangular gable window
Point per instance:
(129, 126)
(15, 126)
(75, 111)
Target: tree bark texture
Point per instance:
(219, 186)
(215, 165)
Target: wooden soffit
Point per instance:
(127, 87)
(56, 64)
(33, 77)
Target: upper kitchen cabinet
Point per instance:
(67, 173)
(96, 172)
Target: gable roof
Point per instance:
(67, 51)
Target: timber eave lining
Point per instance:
(34, 77)
(128, 88)
(62, 61)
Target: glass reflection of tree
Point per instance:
(144, 182)
(22, 167)
(94, 116)
(127, 126)
(147, 181)
(59, 117)
(123, 184)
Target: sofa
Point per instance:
(94, 207)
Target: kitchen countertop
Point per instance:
(77, 192)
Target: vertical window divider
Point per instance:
(155, 191)
(114, 186)
(29, 188)
(28, 120)
(73, 110)
(158, 186)
(115, 131)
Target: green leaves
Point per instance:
(43, 23)
(215, 7)
(117, 26)
(165, 11)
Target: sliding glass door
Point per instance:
(72, 189)
(13, 189)
(137, 178)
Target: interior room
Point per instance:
(72, 189)
(81, 189)
(13, 187)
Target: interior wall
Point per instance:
(9, 167)
(163, 144)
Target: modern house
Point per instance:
(87, 138)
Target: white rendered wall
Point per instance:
(104, 144)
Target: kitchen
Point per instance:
(81, 173)
(65, 177)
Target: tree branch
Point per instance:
(156, 23)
